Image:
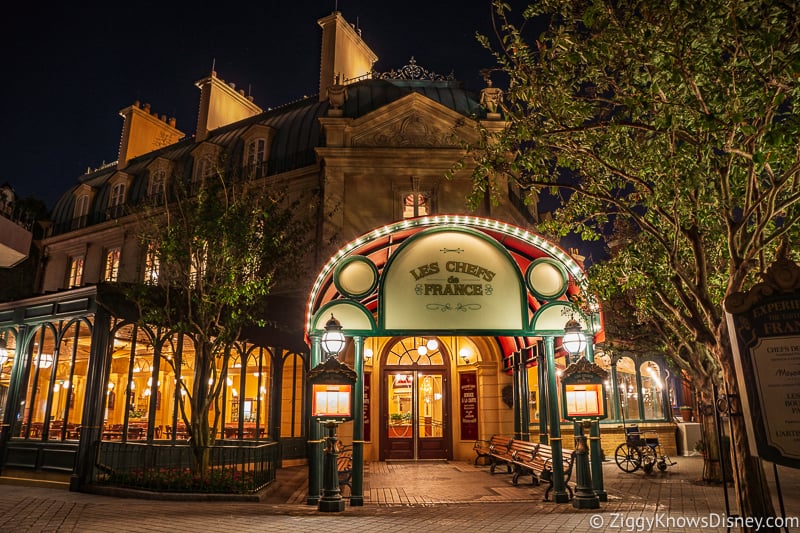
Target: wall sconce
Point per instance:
(3, 352)
(368, 354)
(465, 353)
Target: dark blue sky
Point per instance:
(70, 70)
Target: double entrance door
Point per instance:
(416, 414)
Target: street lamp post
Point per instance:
(574, 342)
(332, 398)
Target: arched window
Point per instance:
(117, 201)
(652, 390)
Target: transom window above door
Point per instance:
(423, 351)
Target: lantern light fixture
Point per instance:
(333, 338)
(574, 341)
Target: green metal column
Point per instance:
(18, 379)
(517, 388)
(541, 369)
(315, 439)
(595, 449)
(94, 400)
(357, 481)
(524, 394)
(559, 489)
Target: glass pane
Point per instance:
(628, 392)
(292, 397)
(400, 405)
(431, 400)
(652, 387)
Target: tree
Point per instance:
(677, 118)
(221, 248)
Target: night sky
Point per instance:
(70, 70)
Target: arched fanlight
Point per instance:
(574, 341)
(333, 338)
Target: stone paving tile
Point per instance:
(407, 497)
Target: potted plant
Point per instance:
(400, 426)
(686, 413)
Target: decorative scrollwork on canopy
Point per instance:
(412, 71)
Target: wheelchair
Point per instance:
(641, 450)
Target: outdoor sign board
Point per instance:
(331, 401)
(468, 387)
(448, 280)
(764, 325)
(583, 392)
(332, 383)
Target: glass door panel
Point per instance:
(429, 392)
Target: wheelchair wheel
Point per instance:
(628, 458)
(648, 459)
(662, 464)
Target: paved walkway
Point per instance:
(407, 497)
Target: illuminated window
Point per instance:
(75, 278)
(151, 264)
(416, 204)
(256, 158)
(111, 266)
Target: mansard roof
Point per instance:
(298, 133)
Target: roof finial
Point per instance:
(213, 65)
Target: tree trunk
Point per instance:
(201, 436)
(752, 490)
(711, 466)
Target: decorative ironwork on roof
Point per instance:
(412, 71)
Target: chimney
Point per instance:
(143, 132)
(344, 53)
(220, 105)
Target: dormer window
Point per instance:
(117, 196)
(155, 189)
(257, 140)
(257, 158)
(159, 171)
(81, 215)
(82, 206)
(83, 202)
(206, 156)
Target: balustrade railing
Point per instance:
(235, 468)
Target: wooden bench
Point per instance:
(522, 454)
(540, 466)
(344, 465)
(483, 448)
